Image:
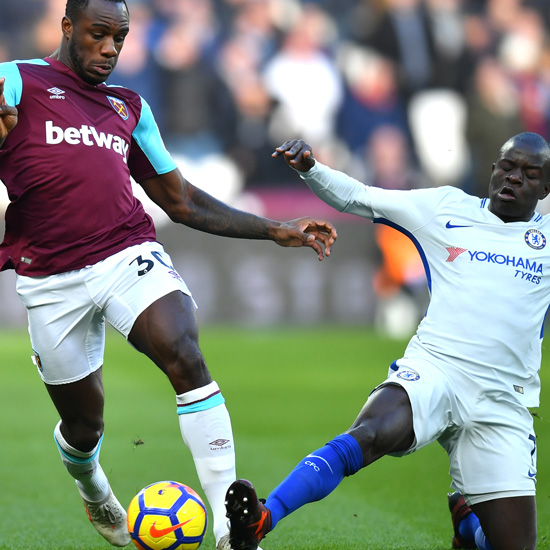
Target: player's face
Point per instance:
(520, 178)
(96, 39)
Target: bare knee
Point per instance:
(385, 424)
(168, 334)
(186, 367)
(83, 433)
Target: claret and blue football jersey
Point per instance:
(489, 280)
(67, 166)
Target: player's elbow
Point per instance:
(178, 213)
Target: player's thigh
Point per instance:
(493, 455)
(509, 523)
(145, 299)
(167, 333)
(431, 397)
(66, 327)
(128, 282)
(385, 424)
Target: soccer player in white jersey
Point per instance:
(85, 251)
(469, 374)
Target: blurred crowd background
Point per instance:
(397, 93)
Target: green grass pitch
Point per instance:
(288, 391)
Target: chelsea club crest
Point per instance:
(535, 239)
(409, 375)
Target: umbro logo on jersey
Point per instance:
(57, 93)
(450, 225)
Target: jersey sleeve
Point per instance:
(148, 154)
(409, 209)
(13, 85)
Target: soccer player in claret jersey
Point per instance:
(469, 374)
(84, 250)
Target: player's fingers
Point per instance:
(313, 243)
(326, 240)
(328, 228)
(7, 109)
(283, 148)
(320, 226)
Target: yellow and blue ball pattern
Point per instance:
(167, 515)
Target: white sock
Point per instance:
(84, 467)
(206, 430)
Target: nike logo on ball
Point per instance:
(157, 533)
(450, 225)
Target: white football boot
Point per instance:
(109, 518)
(224, 544)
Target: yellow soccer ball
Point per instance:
(167, 515)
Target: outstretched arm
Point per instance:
(337, 189)
(184, 203)
(8, 115)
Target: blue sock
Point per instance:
(316, 476)
(468, 527)
(481, 542)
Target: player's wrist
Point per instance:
(273, 230)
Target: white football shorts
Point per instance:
(486, 431)
(67, 311)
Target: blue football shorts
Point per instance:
(67, 311)
(487, 432)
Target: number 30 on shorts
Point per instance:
(146, 265)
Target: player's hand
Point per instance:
(297, 154)
(8, 115)
(317, 234)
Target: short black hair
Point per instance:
(74, 8)
(532, 139)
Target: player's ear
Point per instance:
(66, 27)
(544, 192)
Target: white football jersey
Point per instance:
(489, 280)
